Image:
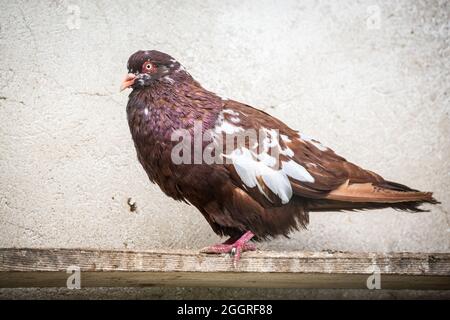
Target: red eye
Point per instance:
(147, 67)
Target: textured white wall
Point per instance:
(376, 91)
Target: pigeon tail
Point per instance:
(363, 196)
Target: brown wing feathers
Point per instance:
(338, 184)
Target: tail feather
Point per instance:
(386, 192)
(396, 186)
(363, 196)
(333, 205)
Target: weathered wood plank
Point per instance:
(107, 268)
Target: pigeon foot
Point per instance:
(234, 247)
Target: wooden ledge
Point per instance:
(21, 267)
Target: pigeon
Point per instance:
(251, 176)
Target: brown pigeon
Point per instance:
(249, 174)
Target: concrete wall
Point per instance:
(368, 78)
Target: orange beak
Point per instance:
(128, 81)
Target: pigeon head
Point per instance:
(147, 67)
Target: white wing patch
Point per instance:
(259, 166)
(296, 171)
(234, 115)
(230, 111)
(256, 168)
(267, 159)
(285, 138)
(228, 128)
(223, 126)
(249, 169)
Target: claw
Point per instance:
(235, 248)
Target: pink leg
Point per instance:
(232, 246)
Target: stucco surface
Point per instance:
(372, 86)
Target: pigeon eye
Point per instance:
(148, 66)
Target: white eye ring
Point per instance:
(148, 66)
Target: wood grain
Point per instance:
(118, 268)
